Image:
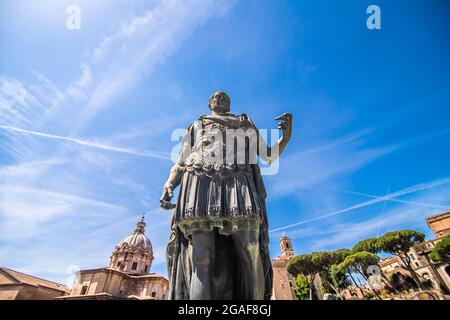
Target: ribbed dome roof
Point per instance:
(137, 239)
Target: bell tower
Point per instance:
(286, 247)
(283, 282)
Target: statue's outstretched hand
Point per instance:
(286, 124)
(166, 197)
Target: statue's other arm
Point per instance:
(176, 172)
(270, 154)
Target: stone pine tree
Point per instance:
(358, 263)
(303, 264)
(399, 243)
(339, 279)
(316, 263)
(333, 259)
(372, 245)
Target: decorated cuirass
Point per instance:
(222, 145)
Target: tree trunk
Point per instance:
(335, 290)
(415, 277)
(311, 285)
(388, 282)
(413, 273)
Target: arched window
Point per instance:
(447, 270)
(83, 290)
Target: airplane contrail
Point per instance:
(422, 204)
(148, 154)
(412, 189)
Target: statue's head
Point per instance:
(219, 102)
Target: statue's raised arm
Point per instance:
(271, 154)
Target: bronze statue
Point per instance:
(219, 243)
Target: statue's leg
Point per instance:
(224, 267)
(246, 243)
(203, 247)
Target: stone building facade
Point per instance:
(283, 283)
(437, 273)
(127, 276)
(440, 224)
(16, 285)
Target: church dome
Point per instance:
(136, 240)
(134, 254)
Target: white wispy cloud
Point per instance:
(347, 231)
(103, 146)
(16, 102)
(79, 88)
(40, 206)
(400, 217)
(383, 198)
(309, 168)
(325, 162)
(403, 192)
(121, 59)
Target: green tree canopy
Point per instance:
(315, 263)
(399, 242)
(338, 256)
(441, 252)
(368, 245)
(358, 262)
(321, 260)
(301, 264)
(301, 286)
(310, 264)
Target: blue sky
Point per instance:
(87, 115)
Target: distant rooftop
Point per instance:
(28, 279)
